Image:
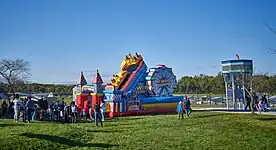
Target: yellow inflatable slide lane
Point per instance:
(148, 107)
(128, 62)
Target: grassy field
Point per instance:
(201, 131)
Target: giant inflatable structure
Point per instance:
(137, 90)
(85, 94)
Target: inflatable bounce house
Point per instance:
(135, 90)
(88, 94)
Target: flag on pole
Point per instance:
(82, 80)
(238, 57)
(98, 79)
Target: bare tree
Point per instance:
(249, 90)
(254, 80)
(13, 72)
(271, 50)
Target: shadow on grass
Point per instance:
(123, 119)
(65, 141)
(11, 125)
(102, 131)
(266, 119)
(209, 115)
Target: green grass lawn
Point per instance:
(201, 131)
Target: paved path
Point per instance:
(272, 112)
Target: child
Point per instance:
(85, 111)
(179, 109)
(91, 114)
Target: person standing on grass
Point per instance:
(56, 111)
(11, 109)
(91, 114)
(4, 107)
(61, 106)
(34, 114)
(188, 107)
(248, 101)
(17, 105)
(259, 106)
(255, 99)
(103, 108)
(74, 112)
(29, 108)
(180, 110)
(98, 116)
(67, 112)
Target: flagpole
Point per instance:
(81, 81)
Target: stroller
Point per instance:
(22, 113)
(265, 107)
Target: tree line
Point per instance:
(204, 84)
(40, 88)
(14, 75)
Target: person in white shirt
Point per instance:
(74, 112)
(103, 109)
(17, 104)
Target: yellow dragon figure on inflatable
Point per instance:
(126, 64)
(130, 61)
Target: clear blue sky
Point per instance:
(61, 38)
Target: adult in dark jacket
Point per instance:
(188, 108)
(40, 103)
(67, 112)
(98, 115)
(45, 104)
(29, 108)
(248, 102)
(4, 107)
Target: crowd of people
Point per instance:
(26, 110)
(260, 103)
